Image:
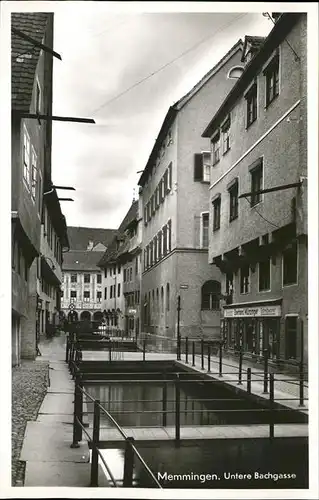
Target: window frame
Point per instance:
(251, 99)
(259, 276)
(202, 215)
(215, 147)
(233, 207)
(270, 71)
(225, 128)
(256, 199)
(244, 287)
(285, 285)
(85, 275)
(26, 158)
(216, 210)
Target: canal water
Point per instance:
(140, 404)
(282, 463)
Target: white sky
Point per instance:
(105, 53)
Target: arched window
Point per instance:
(211, 295)
(167, 297)
(235, 72)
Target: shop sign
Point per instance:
(253, 312)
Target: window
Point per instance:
(159, 241)
(153, 204)
(229, 283)
(131, 274)
(155, 247)
(226, 138)
(204, 230)
(216, 213)
(162, 187)
(251, 101)
(119, 289)
(114, 270)
(86, 296)
(39, 193)
(61, 294)
(119, 269)
(256, 184)
(162, 299)
(202, 167)
(264, 275)
(289, 264)
(157, 198)
(34, 174)
(216, 148)
(111, 291)
(167, 297)
(169, 236)
(211, 295)
(99, 278)
(145, 215)
(73, 294)
(169, 177)
(74, 278)
(291, 337)
(272, 80)
(244, 279)
(26, 157)
(98, 296)
(38, 99)
(86, 278)
(206, 166)
(233, 201)
(105, 293)
(105, 272)
(164, 240)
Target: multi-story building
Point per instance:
(121, 266)
(174, 191)
(82, 278)
(258, 211)
(31, 70)
(53, 245)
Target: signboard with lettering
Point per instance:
(253, 312)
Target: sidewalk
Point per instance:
(284, 392)
(46, 448)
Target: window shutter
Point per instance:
(198, 167)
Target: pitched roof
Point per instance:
(280, 30)
(173, 110)
(114, 250)
(80, 260)
(24, 56)
(79, 237)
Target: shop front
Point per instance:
(253, 327)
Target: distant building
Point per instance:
(121, 265)
(38, 226)
(82, 278)
(174, 192)
(259, 241)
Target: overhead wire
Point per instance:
(161, 68)
(255, 209)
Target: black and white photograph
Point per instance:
(159, 263)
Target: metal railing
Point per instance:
(208, 353)
(130, 449)
(274, 404)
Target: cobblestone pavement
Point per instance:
(29, 386)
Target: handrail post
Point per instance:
(95, 443)
(144, 349)
(76, 416)
(164, 406)
(79, 383)
(272, 414)
(240, 370)
(265, 371)
(186, 350)
(128, 462)
(248, 380)
(202, 352)
(177, 408)
(221, 358)
(193, 353)
(301, 384)
(208, 356)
